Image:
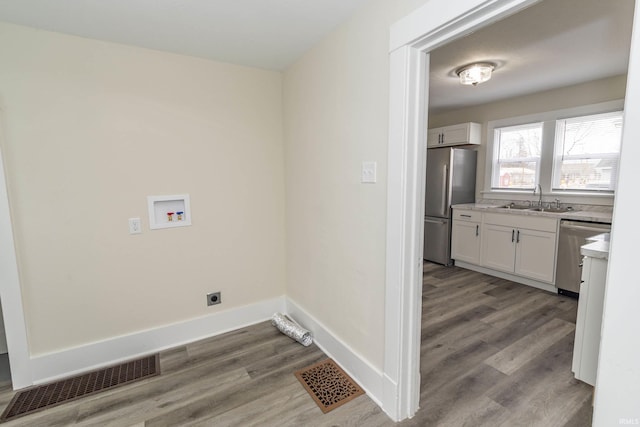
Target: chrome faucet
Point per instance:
(538, 188)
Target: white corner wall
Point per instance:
(90, 129)
(336, 110)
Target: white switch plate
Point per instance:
(134, 226)
(369, 172)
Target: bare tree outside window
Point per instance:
(518, 156)
(587, 152)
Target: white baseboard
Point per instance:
(529, 282)
(72, 361)
(68, 362)
(367, 376)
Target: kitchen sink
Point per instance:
(514, 206)
(553, 210)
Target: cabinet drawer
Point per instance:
(467, 215)
(522, 221)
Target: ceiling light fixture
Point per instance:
(478, 72)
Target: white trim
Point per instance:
(366, 375)
(434, 24)
(405, 214)
(52, 366)
(440, 21)
(72, 361)
(514, 278)
(549, 121)
(618, 378)
(11, 293)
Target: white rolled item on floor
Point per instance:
(290, 328)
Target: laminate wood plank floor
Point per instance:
(494, 353)
(500, 355)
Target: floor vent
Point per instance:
(45, 396)
(328, 385)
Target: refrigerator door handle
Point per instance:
(445, 186)
(436, 221)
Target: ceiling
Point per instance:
(552, 44)
(268, 34)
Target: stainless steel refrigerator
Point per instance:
(451, 179)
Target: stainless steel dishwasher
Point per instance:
(573, 235)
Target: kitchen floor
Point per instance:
(494, 353)
(497, 353)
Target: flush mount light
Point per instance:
(478, 72)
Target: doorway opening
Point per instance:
(413, 38)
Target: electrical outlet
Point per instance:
(214, 298)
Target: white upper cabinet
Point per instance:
(462, 134)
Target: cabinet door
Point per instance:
(457, 134)
(536, 254)
(434, 138)
(589, 322)
(498, 247)
(465, 241)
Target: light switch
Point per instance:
(134, 226)
(369, 172)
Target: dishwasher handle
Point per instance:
(573, 226)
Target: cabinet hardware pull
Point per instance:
(513, 232)
(466, 216)
(477, 230)
(518, 238)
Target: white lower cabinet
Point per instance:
(465, 241)
(519, 245)
(536, 255)
(499, 247)
(586, 347)
(522, 245)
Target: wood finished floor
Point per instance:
(494, 353)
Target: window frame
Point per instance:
(496, 153)
(558, 155)
(547, 157)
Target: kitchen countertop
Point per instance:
(598, 249)
(578, 215)
(598, 246)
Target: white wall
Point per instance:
(607, 89)
(617, 395)
(593, 92)
(92, 128)
(336, 109)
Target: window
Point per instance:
(572, 154)
(587, 151)
(517, 152)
